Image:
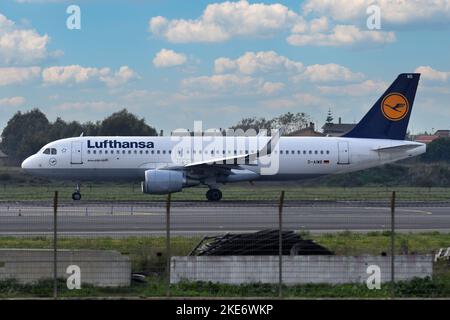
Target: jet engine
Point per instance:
(162, 181)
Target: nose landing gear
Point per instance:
(76, 195)
(214, 195)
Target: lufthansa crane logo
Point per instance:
(395, 106)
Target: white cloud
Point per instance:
(342, 35)
(120, 77)
(221, 21)
(12, 102)
(328, 72)
(168, 58)
(13, 75)
(21, 46)
(269, 88)
(259, 62)
(297, 100)
(78, 74)
(231, 83)
(365, 88)
(40, 1)
(90, 105)
(393, 12)
(428, 73)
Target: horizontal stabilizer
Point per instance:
(400, 147)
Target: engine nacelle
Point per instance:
(162, 181)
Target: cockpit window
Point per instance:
(49, 151)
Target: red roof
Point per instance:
(426, 138)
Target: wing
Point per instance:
(225, 165)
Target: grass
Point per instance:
(234, 192)
(18, 186)
(148, 256)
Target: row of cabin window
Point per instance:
(287, 152)
(129, 152)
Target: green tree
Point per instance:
(437, 151)
(24, 134)
(123, 123)
(289, 121)
(329, 118)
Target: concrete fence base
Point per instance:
(297, 269)
(104, 268)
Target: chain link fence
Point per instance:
(327, 242)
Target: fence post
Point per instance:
(55, 245)
(280, 246)
(168, 249)
(393, 245)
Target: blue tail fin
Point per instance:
(389, 116)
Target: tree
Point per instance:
(437, 151)
(123, 123)
(246, 124)
(329, 118)
(24, 134)
(289, 121)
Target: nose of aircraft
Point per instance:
(27, 163)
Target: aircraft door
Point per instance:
(343, 153)
(76, 155)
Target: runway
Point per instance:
(202, 218)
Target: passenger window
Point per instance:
(164, 151)
(281, 151)
(129, 151)
(106, 151)
(89, 151)
(315, 152)
(292, 152)
(140, 151)
(123, 151)
(47, 151)
(135, 151)
(157, 151)
(304, 151)
(310, 152)
(321, 151)
(328, 152)
(94, 151)
(99, 151)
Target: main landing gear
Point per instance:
(214, 195)
(76, 195)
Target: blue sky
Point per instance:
(173, 62)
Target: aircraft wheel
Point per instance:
(214, 195)
(76, 196)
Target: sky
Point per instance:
(176, 62)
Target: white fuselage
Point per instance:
(293, 158)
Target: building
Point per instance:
(309, 131)
(425, 138)
(442, 133)
(337, 129)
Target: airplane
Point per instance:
(170, 164)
